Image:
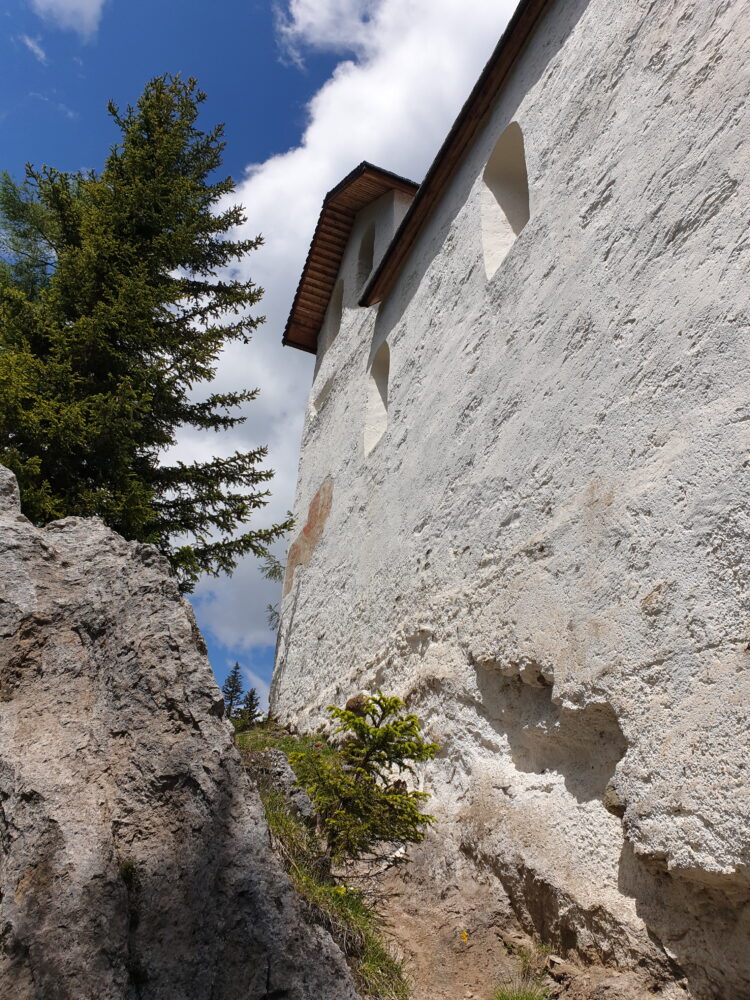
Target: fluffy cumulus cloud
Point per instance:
(406, 68)
(338, 25)
(78, 15)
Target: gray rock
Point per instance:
(272, 766)
(135, 860)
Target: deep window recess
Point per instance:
(335, 309)
(366, 256)
(376, 419)
(505, 197)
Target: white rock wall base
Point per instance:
(546, 552)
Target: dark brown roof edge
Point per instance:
(286, 342)
(365, 167)
(469, 121)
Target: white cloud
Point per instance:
(335, 25)
(77, 15)
(262, 688)
(32, 44)
(407, 67)
(62, 108)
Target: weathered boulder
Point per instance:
(135, 860)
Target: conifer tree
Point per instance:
(250, 711)
(359, 795)
(113, 312)
(232, 690)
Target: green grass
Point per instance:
(351, 919)
(530, 984)
(522, 990)
(269, 735)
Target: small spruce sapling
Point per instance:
(232, 690)
(359, 794)
(273, 569)
(250, 712)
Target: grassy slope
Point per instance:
(351, 919)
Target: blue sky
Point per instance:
(55, 83)
(307, 89)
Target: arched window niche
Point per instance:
(504, 198)
(335, 310)
(366, 256)
(376, 418)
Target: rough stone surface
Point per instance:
(302, 548)
(135, 862)
(546, 551)
(273, 767)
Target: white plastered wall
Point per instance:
(546, 551)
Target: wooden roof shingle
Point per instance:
(363, 185)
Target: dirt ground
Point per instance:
(461, 942)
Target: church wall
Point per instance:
(545, 551)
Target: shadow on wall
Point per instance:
(226, 944)
(704, 928)
(376, 419)
(365, 257)
(584, 746)
(504, 197)
(699, 921)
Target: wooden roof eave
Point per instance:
(360, 187)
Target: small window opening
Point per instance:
(335, 309)
(366, 256)
(505, 197)
(376, 419)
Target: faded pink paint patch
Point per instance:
(302, 548)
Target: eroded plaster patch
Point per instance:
(302, 548)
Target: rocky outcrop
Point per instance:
(135, 861)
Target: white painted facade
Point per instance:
(542, 543)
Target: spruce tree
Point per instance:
(250, 711)
(359, 794)
(114, 308)
(232, 690)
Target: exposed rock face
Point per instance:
(546, 551)
(135, 858)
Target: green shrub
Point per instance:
(358, 793)
(352, 921)
(360, 800)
